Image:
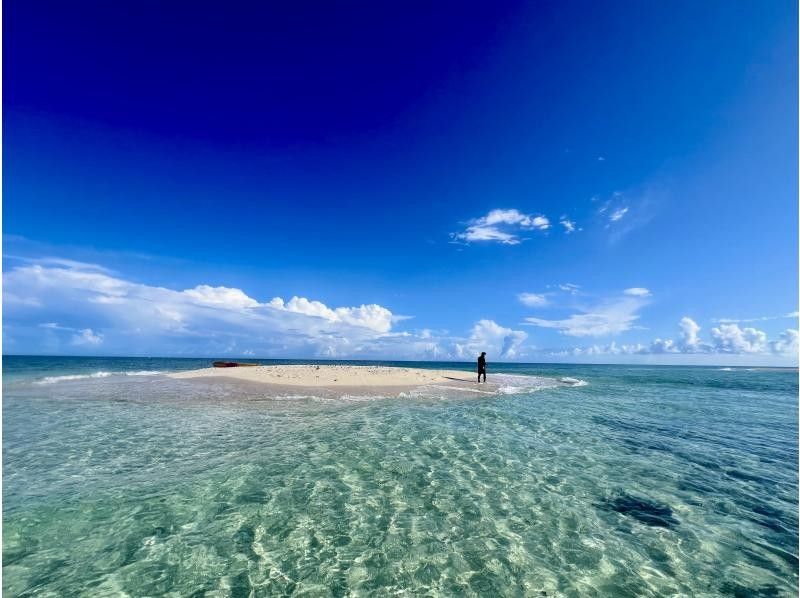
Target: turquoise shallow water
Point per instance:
(647, 481)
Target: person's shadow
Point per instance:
(457, 379)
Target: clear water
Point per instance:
(647, 481)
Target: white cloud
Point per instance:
(502, 226)
(81, 309)
(662, 346)
(87, 337)
(513, 217)
(569, 225)
(610, 349)
(487, 233)
(790, 315)
(787, 344)
(608, 318)
(570, 288)
(689, 340)
(617, 214)
(637, 292)
(532, 299)
(373, 317)
(57, 261)
(136, 315)
(729, 338)
(221, 296)
(489, 336)
(622, 213)
(540, 223)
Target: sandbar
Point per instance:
(350, 377)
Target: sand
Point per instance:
(397, 379)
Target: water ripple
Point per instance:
(133, 486)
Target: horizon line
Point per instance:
(536, 363)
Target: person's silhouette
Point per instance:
(482, 367)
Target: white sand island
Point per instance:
(344, 377)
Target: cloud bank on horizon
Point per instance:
(85, 308)
(65, 306)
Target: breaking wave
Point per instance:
(514, 384)
(101, 374)
(573, 381)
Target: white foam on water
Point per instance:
(144, 373)
(101, 374)
(54, 379)
(515, 384)
(505, 384)
(574, 381)
(330, 397)
(459, 388)
(501, 384)
(363, 398)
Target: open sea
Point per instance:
(635, 481)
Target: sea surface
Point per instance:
(635, 481)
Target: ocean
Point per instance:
(637, 481)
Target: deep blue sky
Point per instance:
(339, 152)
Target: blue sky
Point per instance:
(565, 181)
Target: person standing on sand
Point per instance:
(482, 367)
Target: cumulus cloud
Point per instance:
(729, 338)
(540, 222)
(726, 339)
(689, 340)
(373, 317)
(502, 226)
(569, 225)
(660, 345)
(787, 344)
(488, 335)
(93, 306)
(81, 309)
(87, 337)
(607, 318)
(221, 296)
(595, 350)
(532, 299)
(83, 337)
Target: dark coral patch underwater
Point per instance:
(642, 509)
